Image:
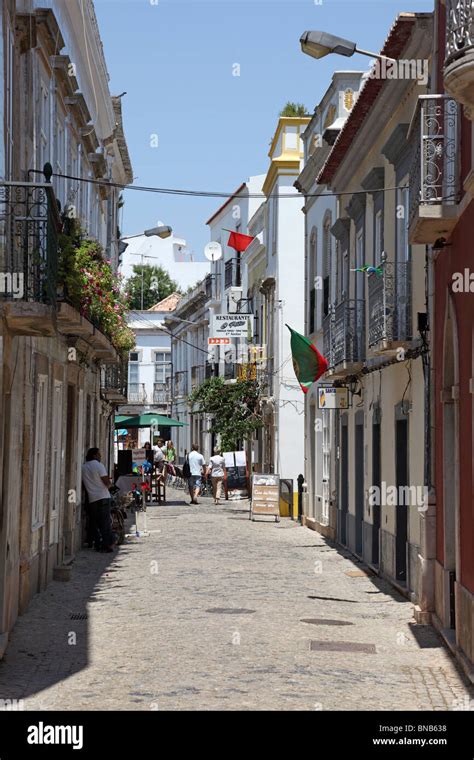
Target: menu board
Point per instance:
(265, 496)
(236, 471)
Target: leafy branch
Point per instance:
(233, 408)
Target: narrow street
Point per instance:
(214, 612)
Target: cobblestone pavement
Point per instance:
(211, 611)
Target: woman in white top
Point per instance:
(216, 470)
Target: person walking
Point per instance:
(216, 470)
(196, 466)
(170, 457)
(97, 483)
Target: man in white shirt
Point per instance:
(97, 483)
(196, 465)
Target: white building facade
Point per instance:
(320, 213)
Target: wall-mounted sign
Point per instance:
(231, 325)
(265, 496)
(218, 341)
(330, 397)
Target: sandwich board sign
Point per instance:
(265, 496)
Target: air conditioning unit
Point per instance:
(234, 295)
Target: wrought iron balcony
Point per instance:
(232, 273)
(181, 383)
(136, 393)
(344, 337)
(114, 382)
(161, 394)
(29, 225)
(390, 317)
(434, 177)
(459, 60)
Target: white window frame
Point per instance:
(39, 451)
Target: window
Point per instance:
(39, 460)
(134, 356)
(162, 367)
(9, 103)
(60, 159)
(403, 246)
(359, 276)
(312, 285)
(44, 117)
(326, 265)
(378, 237)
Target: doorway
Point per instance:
(401, 517)
(344, 490)
(376, 481)
(359, 481)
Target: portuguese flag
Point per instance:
(308, 363)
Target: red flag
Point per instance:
(239, 242)
(308, 363)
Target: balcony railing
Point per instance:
(434, 183)
(29, 225)
(232, 273)
(136, 393)
(390, 319)
(344, 334)
(181, 384)
(459, 28)
(161, 394)
(114, 381)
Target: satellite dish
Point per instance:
(213, 251)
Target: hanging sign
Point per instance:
(330, 397)
(265, 496)
(231, 325)
(218, 341)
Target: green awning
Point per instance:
(146, 421)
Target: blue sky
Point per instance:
(175, 58)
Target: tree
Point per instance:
(294, 109)
(157, 285)
(233, 408)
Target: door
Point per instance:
(359, 486)
(376, 462)
(326, 467)
(344, 491)
(401, 520)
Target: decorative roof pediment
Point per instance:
(374, 180)
(356, 207)
(396, 145)
(341, 228)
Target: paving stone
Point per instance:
(151, 642)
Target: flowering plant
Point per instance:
(93, 288)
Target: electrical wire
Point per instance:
(215, 193)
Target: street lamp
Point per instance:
(319, 44)
(162, 231)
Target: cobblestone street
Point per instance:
(212, 611)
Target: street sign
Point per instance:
(265, 496)
(218, 341)
(231, 325)
(330, 397)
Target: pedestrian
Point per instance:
(170, 457)
(196, 466)
(97, 483)
(216, 470)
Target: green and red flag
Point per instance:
(238, 241)
(308, 363)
